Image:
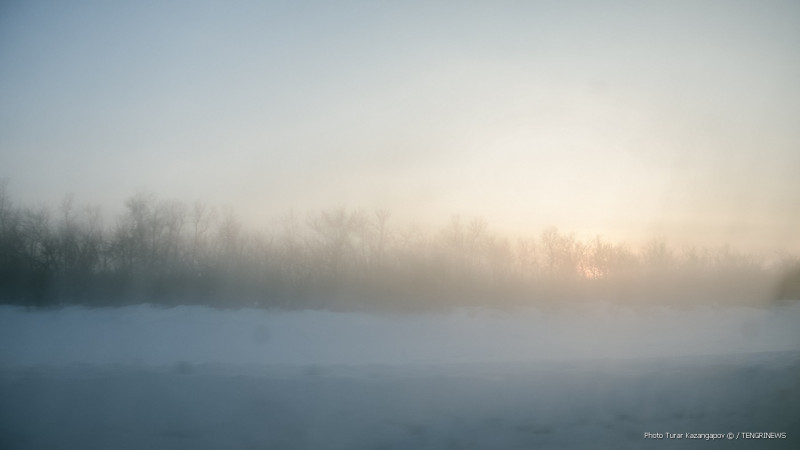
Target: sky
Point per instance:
(628, 119)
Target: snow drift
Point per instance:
(599, 376)
(148, 335)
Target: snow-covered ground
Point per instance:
(147, 335)
(598, 376)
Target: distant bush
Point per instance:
(789, 285)
(166, 252)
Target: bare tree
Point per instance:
(202, 219)
(173, 216)
(380, 230)
(340, 238)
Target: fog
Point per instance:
(180, 327)
(620, 119)
(168, 253)
(602, 376)
(414, 225)
(152, 336)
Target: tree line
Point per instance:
(167, 252)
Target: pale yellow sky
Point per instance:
(621, 118)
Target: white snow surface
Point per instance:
(594, 376)
(150, 335)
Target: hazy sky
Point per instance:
(625, 118)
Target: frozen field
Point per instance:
(587, 377)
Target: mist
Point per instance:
(418, 225)
(166, 252)
(629, 121)
(599, 374)
(337, 322)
